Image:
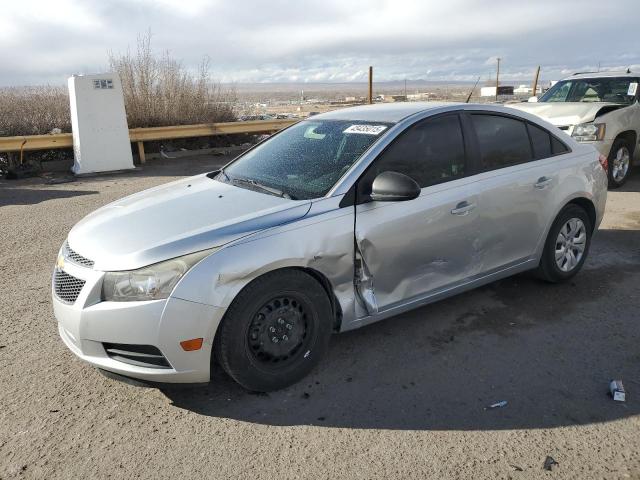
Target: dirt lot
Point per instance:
(403, 398)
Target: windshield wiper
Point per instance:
(259, 186)
(227, 178)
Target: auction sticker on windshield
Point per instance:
(632, 88)
(366, 129)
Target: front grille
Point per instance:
(67, 287)
(75, 257)
(139, 355)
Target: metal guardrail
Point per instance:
(141, 135)
(36, 142)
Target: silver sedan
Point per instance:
(336, 222)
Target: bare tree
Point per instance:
(158, 90)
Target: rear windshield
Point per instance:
(305, 160)
(620, 90)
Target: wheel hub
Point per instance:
(570, 244)
(277, 330)
(620, 165)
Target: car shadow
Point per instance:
(28, 196)
(549, 351)
(29, 191)
(633, 183)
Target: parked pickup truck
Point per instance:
(601, 109)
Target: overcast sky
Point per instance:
(44, 41)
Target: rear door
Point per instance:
(409, 248)
(515, 186)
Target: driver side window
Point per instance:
(430, 152)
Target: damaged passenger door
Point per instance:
(407, 249)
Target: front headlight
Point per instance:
(588, 132)
(149, 283)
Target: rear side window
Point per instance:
(557, 147)
(541, 140)
(503, 141)
(430, 152)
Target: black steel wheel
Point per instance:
(278, 330)
(275, 331)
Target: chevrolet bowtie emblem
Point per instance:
(60, 262)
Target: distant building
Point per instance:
(416, 97)
(526, 90)
(395, 98)
(491, 91)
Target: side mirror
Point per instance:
(533, 99)
(394, 187)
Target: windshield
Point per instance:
(305, 160)
(615, 90)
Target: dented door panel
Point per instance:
(514, 212)
(407, 249)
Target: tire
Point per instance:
(620, 160)
(275, 331)
(561, 270)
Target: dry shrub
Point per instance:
(158, 91)
(34, 110)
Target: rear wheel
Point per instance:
(275, 331)
(619, 162)
(567, 245)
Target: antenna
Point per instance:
(471, 92)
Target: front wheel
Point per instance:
(619, 163)
(275, 331)
(567, 245)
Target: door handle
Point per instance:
(463, 208)
(543, 182)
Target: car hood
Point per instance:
(175, 219)
(566, 113)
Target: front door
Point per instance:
(406, 249)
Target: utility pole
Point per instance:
(370, 85)
(405, 89)
(535, 82)
(497, 78)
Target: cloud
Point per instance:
(327, 41)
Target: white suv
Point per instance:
(601, 109)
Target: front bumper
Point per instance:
(88, 323)
(603, 146)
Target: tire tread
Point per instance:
(547, 270)
(225, 335)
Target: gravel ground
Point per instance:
(404, 398)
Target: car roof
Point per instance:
(382, 112)
(620, 74)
